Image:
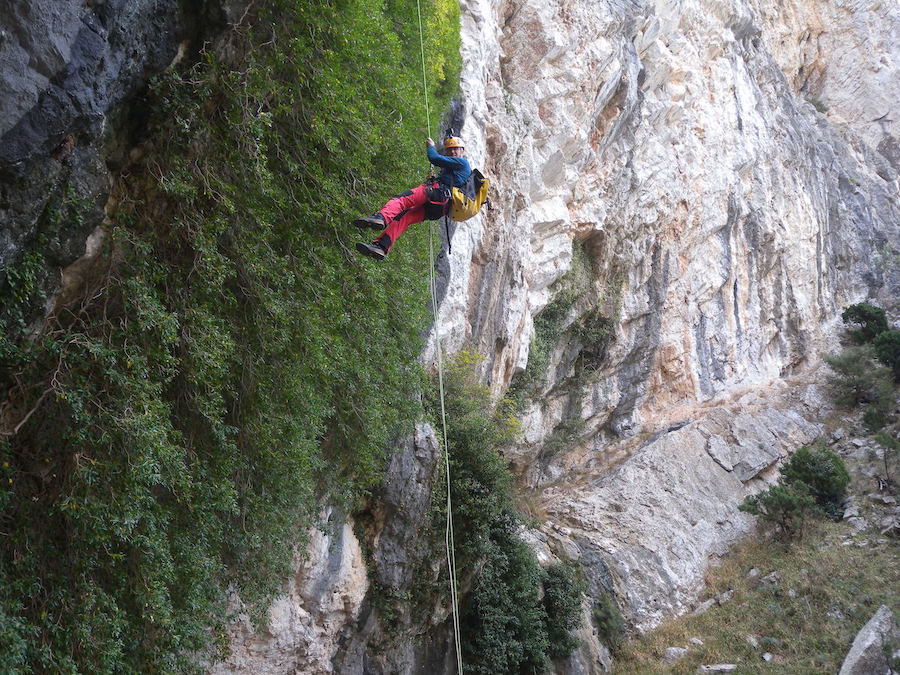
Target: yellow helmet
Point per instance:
(454, 142)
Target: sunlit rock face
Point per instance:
(304, 625)
(731, 171)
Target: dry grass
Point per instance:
(798, 620)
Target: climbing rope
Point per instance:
(448, 531)
(424, 75)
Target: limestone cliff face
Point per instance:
(730, 170)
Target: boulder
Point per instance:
(868, 654)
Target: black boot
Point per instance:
(378, 249)
(371, 250)
(375, 221)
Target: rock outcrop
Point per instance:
(71, 108)
(874, 645)
(328, 619)
(304, 624)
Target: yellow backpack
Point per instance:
(466, 201)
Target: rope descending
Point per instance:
(448, 532)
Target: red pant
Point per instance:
(402, 211)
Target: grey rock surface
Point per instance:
(868, 654)
(70, 108)
(673, 655)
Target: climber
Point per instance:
(430, 200)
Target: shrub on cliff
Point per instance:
(868, 319)
(812, 480)
(787, 506)
(890, 455)
(823, 474)
(858, 381)
(887, 350)
(514, 607)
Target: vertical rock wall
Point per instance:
(73, 73)
(730, 169)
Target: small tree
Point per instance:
(870, 320)
(609, 622)
(563, 588)
(887, 350)
(786, 505)
(859, 381)
(823, 475)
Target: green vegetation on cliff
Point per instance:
(517, 616)
(230, 357)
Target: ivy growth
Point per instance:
(229, 359)
(517, 616)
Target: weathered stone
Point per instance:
(718, 668)
(324, 622)
(857, 524)
(306, 622)
(405, 499)
(722, 598)
(674, 655)
(867, 655)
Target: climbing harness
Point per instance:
(448, 531)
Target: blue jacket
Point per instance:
(456, 169)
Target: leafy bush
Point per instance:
(812, 479)
(562, 602)
(609, 622)
(887, 350)
(859, 381)
(513, 606)
(786, 505)
(890, 455)
(823, 473)
(870, 320)
(504, 622)
(230, 357)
